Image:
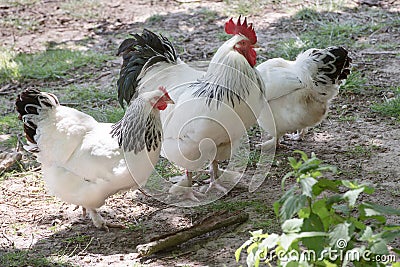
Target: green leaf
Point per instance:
(357, 223)
(326, 184)
(307, 168)
(380, 247)
(306, 185)
(382, 210)
(339, 236)
(319, 207)
(291, 206)
(344, 209)
(286, 240)
(239, 250)
(334, 199)
(292, 226)
(304, 156)
(313, 223)
(270, 242)
(350, 184)
(367, 234)
(389, 236)
(352, 195)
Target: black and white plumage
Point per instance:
(139, 54)
(299, 91)
(217, 105)
(82, 163)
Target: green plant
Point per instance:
(48, 65)
(390, 108)
(323, 223)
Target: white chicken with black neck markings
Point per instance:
(82, 161)
(299, 92)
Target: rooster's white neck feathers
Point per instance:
(229, 76)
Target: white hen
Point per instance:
(82, 163)
(299, 92)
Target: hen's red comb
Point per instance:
(164, 90)
(242, 28)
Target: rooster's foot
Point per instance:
(100, 223)
(298, 136)
(217, 186)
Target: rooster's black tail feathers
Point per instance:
(29, 104)
(333, 65)
(138, 54)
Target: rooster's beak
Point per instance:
(256, 45)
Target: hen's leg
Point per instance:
(99, 222)
(298, 136)
(213, 178)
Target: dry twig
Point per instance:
(211, 223)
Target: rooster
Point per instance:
(213, 109)
(299, 91)
(82, 162)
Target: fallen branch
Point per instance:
(211, 223)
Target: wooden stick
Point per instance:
(211, 223)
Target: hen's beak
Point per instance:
(168, 100)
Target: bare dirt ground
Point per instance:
(366, 147)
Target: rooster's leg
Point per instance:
(184, 188)
(213, 178)
(99, 222)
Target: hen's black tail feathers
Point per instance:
(28, 104)
(139, 53)
(333, 65)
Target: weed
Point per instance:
(391, 107)
(47, 65)
(27, 258)
(156, 18)
(355, 81)
(347, 118)
(86, 9)
(209, 15)
(322, 215)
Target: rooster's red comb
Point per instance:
(241, 28)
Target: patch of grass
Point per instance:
(307, 14)
(355, 81)
(155, 18)
(209, 15)
(101, 104)
(324, 34)
(21, 23)
(361, 151)
(26, 258)
(347, 118)
(83, 9)
(48, 65)
(9, 125)
(166, 169)
(246, 8)
(20, 2)
(389, 108)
